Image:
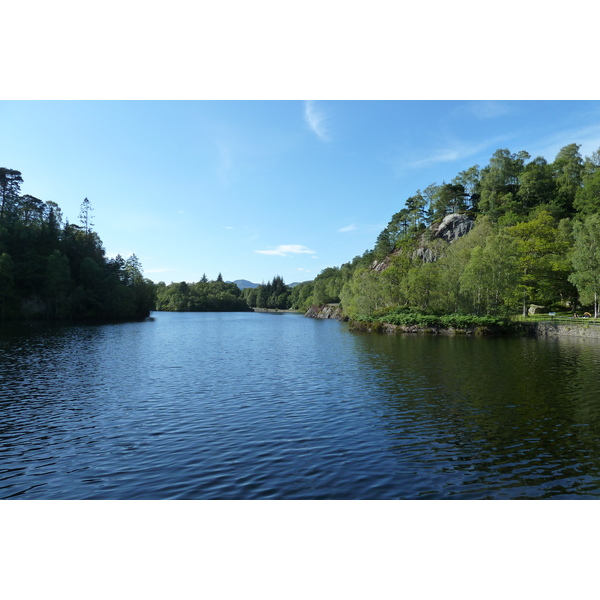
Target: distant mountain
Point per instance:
(244, 283)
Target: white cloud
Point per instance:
(348, 228)
(316, 120)
(460, 151)
(286, 250)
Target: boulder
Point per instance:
(536, 309)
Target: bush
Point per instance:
(403, 317)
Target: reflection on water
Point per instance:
(209, 405)
(504, 418)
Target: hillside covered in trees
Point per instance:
(526, 232)
(532, 237)
(50, 269)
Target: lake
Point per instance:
(277, 406)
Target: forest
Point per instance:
(203, 296)
(221, 296)
(53, 269)
(533, 240)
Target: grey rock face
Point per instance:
(454, 226)
(328, 311)
(426, 254)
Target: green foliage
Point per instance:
(531, 244)
(490, 275)
(10, 186)
(499, 183)
(59, 284)
(587, 196)
(204, 296)
(8, 297)
(272, 295)
(568, 171)
(418, 319)
(449, 198)
(328, 285)
(470, 180)
(586, 260)
(537, 184)
(539, 248)
(51, 270)
(363, 294)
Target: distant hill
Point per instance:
(244, 283)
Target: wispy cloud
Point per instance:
(227, 227)
(588, 137)
(286, 250)
(489, 109)
(458, 151)
(316, 120)
(348, 228)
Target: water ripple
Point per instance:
(216, 406)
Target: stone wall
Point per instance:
(577, 329)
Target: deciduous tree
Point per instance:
(586, 260)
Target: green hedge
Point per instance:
(455, 321)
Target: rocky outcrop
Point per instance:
(381, 265)
(428, 253)
(452, 227)
(434, 241)
(327, 311)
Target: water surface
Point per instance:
(256, 405)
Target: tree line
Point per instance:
(203, 296)
(535, 240)
(53, 269)
(271, 295)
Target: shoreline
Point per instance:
(276, 310)
(537, 330)
(577, 328)
(391, 329)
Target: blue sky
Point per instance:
(254, 189)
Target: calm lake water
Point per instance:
(254, 405)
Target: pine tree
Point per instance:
(85, 216)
